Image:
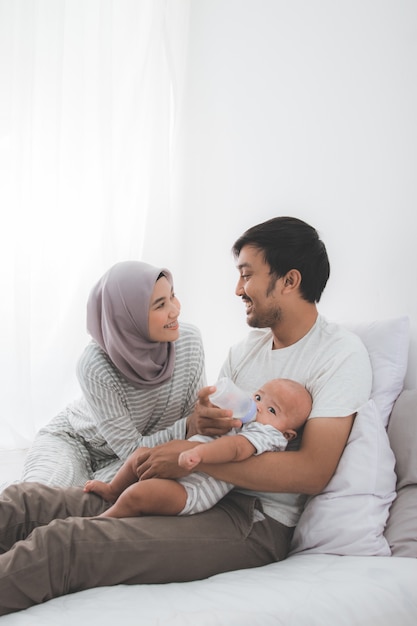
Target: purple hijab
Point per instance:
(117, 319)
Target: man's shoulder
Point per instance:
(322, 331)
(337, 335)
(255, 337)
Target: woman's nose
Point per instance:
(175, 309)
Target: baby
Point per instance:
(283, 407)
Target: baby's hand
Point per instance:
(189, 459)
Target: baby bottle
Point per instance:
(229, 396)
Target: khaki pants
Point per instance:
(58, 549)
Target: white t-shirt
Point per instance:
(330, 361)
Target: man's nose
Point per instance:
(239, 291)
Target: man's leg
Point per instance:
(26, 506)
(73, 554)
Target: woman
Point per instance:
(139, 377)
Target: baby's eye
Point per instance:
(272, 410)
(257, 397)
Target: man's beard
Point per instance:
(264, 319)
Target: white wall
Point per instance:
(305, 108)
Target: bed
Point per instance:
(354, 553)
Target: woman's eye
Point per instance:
(272, 410)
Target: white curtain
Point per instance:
(90, 92)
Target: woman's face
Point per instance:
(163, 312)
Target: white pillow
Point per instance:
(349, 517)
(401, 528)
(387, 342)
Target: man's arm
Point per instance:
(222, 450)
(307, 470)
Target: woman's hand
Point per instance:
(208, 419)
(161, 461)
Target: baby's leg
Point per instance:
(156, 496)
(125, 477)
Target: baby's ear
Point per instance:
(290, 434)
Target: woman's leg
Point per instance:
(72, 554)
(57, 457)
(106, 470)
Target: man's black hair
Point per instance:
(289, 243)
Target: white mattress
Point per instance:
(310, 590)
(304, 590)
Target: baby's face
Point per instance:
(275, 402)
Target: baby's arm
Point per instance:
(221, 450)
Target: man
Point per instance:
(283, 269)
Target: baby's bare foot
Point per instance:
(101, 489)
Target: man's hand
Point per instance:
(208, 419)
(161, 461)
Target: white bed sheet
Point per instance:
(304, 590)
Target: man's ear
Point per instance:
(292, 280)
(290, 434)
